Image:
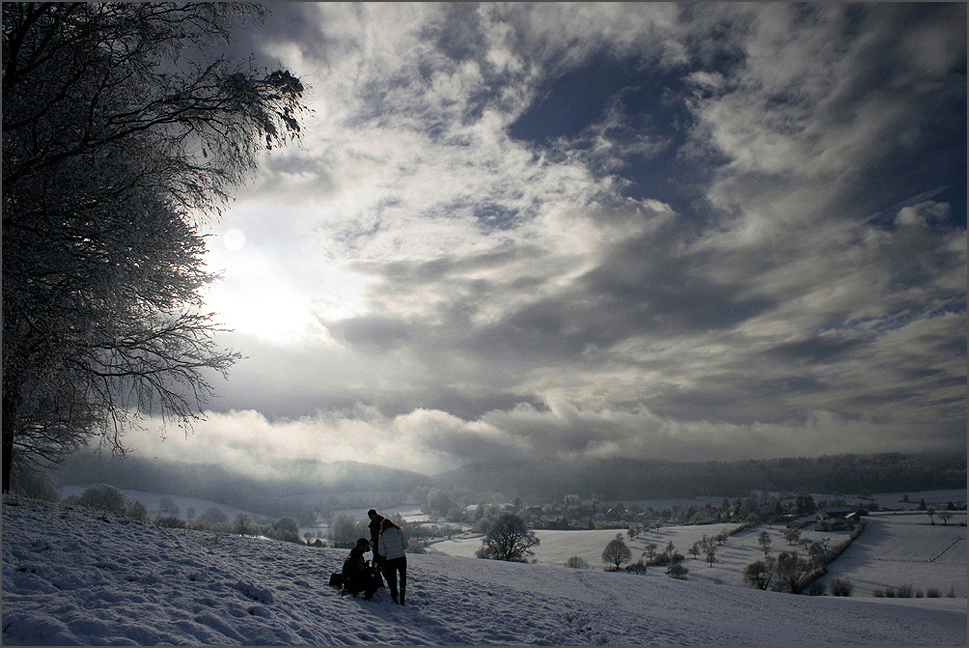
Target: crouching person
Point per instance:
(358, 575)
(391, 545)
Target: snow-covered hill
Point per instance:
(80, 577)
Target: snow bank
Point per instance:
(79, 577)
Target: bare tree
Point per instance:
(167, 505)
(792, 535)
(710, 552)
(508, 539)
(792, 570)
(695, 549)
(345, 530)
(121, 130)
(760, 572)
(616, 552)
(764, 540)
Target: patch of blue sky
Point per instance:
(490, 216)
(640, 109)
(896, 319)
(933, 162)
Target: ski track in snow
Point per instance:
(79, 577)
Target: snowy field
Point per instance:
(905, 549)
(77, 577)
(896, 549)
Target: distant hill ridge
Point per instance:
(547, 479)
(618, 479)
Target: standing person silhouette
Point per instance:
(375, 520)
(391, 545)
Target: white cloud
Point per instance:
(418, 260)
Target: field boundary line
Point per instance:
(954, 543)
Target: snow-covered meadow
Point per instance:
(76, 576)
(895, 550)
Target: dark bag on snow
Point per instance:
(336, 579)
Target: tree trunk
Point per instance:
(10, 401)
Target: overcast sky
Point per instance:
(691, 232)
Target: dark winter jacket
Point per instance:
(357, 575)
(375, 530)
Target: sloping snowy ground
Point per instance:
(79, 577)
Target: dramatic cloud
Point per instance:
(641, 230)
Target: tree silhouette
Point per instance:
(122, 128)
(508, 539)
(764, 540)
(616, 552)
(792, 570)
(760, 572)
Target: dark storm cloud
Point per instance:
(651, 289)
(374, 334)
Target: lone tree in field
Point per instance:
(616, 552)
(793, 536)
(124, 127)
(508, 539)
(792, 570)
(764, 540)
(760, 572)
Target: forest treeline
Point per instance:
(618, 479)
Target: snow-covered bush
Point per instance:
(638, 567)
(285, 529)
(170, 522)
(135, 510)
(242, 524)
(110, 499)
(33, 483)
(577, 562)
(105, 497)
(842, 587)
(213, 519)
(677, 570)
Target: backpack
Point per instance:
(336, 580)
